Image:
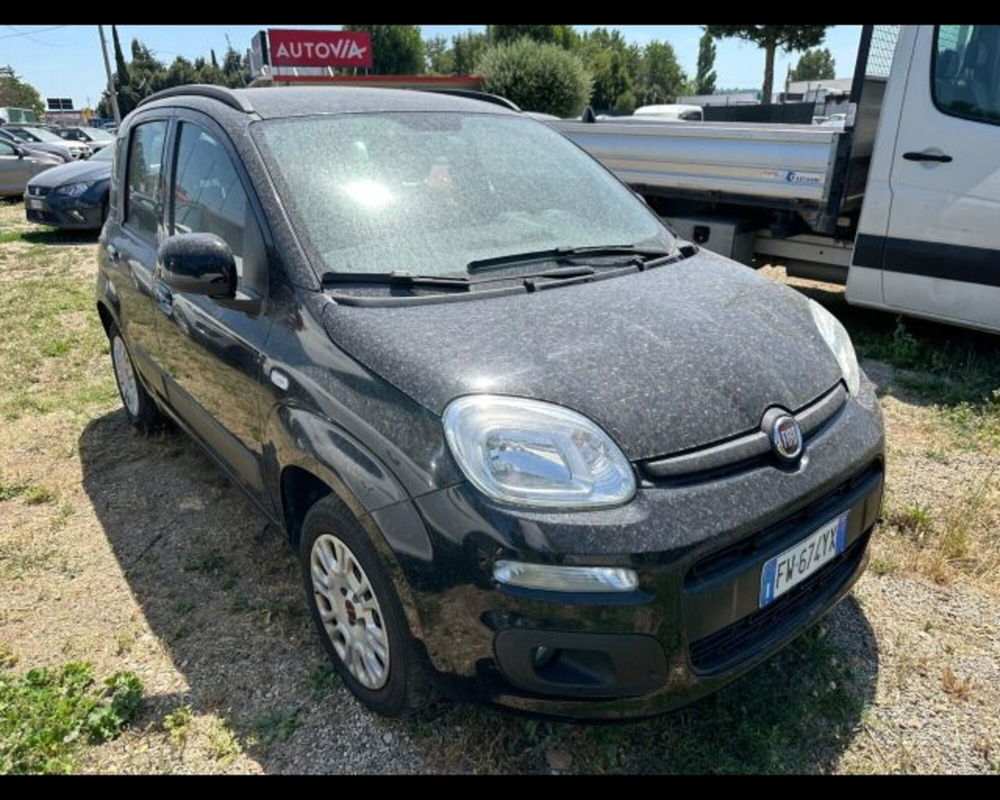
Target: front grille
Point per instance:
(743, 451)
(740, 640)
(754, 546)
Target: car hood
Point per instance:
(74, 172)
(664, 360)
(46, 147)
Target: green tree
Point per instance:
(121, 68)
(615, 67)
(538, 77)
(562, 35)
(235, 69)
(662, 78)
(179, 73)
(468, 48)
(396, 49)
(814, 65)
(16, 93)
(440, 56)
(704, 80)
(770, 38)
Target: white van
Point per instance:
(671, 111)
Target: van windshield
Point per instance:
(429, 193)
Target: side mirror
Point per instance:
(21, 153)
(198, 263)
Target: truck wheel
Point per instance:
(140, 408)
(358, 614)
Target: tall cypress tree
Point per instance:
(120, 66)
(704, 82)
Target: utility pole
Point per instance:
(111, 84)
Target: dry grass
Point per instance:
(136, 554)
(940, 393)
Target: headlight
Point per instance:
(529, 453)
(839, 342)
(71, 189)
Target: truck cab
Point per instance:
(928, 243)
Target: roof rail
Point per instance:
(486, 97)
(220, 93)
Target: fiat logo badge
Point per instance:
(786, 438)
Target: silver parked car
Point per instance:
(47, 140)
(18, 166)
(48, 149)
(94, 138)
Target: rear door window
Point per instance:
(145, 163)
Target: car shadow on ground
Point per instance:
(57, 236)
(221, 591)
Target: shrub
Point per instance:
(538, 77)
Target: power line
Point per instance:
(31, 33)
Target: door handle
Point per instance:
(940, 157)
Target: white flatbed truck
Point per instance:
(901, 203)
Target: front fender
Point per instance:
(300, 438)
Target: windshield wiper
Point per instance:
(460, 283)
(561, 253)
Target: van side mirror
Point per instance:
(198, 263)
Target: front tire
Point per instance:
(358, 614)
(140, 408)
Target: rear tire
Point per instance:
(140, 408)
(358, 614)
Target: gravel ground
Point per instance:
(144, 557)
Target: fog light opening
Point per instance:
(559, 578)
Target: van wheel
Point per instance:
(358, 614)
(140, 408)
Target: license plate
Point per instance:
(31, 202)
(798, 562)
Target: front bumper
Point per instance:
(693, 624)
(73, 213)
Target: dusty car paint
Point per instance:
(680, 357)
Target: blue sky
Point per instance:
(65, 61)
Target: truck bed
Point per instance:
(766, 163)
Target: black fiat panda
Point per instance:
(529, 446)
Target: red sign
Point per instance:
(297, 48)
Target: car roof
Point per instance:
(277, 102)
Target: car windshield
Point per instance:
(104, 154)
(41, 135)
(97, 134)
(428, 193)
